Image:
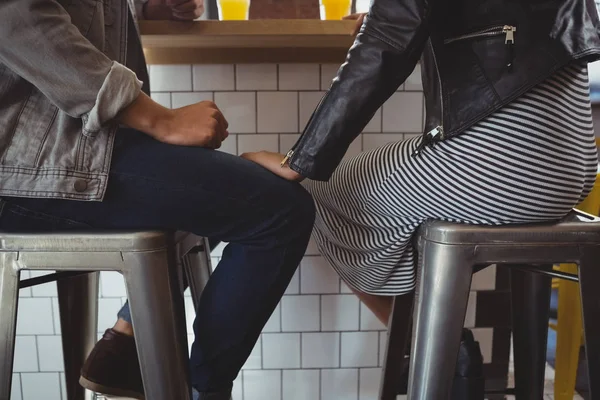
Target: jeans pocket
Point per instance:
(14, 218)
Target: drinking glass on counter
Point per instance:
(233, 9)
(335, 9)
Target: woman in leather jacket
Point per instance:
(508, 135)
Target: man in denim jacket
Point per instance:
(82, 145)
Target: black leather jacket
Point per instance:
(476, 56)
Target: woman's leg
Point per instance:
(381, 306)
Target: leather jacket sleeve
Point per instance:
(383, 55)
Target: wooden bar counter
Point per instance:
(254, 41)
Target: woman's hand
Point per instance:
(359, 17)
(272, 162)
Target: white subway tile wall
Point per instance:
(321, 342)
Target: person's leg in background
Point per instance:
(124, 323)
(266, 220)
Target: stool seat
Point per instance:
(149, 261)
(574, 228)
(448, 254)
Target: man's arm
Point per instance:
(39, 43)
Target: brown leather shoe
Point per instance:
(113, 367)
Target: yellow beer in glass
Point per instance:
(230, 10)
(335, 9)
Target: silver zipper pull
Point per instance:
(509, 31)
(429, 139)
(286, 158)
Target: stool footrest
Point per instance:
(552, 273)
(38, 280)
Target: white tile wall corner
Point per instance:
(320, 343)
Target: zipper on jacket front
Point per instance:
(507, 30)
(437, 133)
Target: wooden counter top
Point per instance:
(255, 41)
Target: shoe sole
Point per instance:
(111, 391)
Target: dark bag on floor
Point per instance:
(469, 383)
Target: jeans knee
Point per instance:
(301, 211)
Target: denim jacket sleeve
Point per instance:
(383, 55)
(39, 43)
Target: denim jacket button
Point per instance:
(80, 185)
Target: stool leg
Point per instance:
(157, 310)
(444, 280)
(78, 304)
(589, 276)
(530, 300)
(398, 337)
(9, 298)
(197, 267)
(568, 336)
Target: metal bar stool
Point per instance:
(450, 253)
(149, 263)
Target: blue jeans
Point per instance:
(266, 220)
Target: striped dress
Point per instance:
(531, 161)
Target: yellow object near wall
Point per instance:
(569, 323)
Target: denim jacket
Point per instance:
(62, 82)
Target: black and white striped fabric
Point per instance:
(531, 161)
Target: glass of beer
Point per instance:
(230, 10)
(335, 9)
